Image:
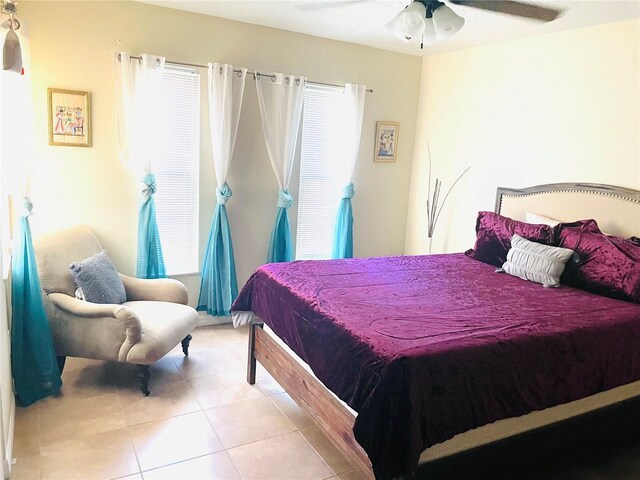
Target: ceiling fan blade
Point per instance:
(509, 7)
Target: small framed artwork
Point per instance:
(386, 142)
(69, 118)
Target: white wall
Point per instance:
(88, 185)
(552, 108)
(7, 402)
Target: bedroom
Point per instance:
(522, 103)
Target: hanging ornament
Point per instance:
(11, 51)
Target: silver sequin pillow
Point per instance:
(536, 262)
(98, 279)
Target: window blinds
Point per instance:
(178, 172)
(319, 194)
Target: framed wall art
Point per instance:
(386, 142)
(69, 118)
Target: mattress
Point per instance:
(427, 347)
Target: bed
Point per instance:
(412, 358)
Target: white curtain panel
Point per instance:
(16, 123)
(354, 97)
(226, 89)
(140, 111)
(281, 99)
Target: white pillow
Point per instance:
(536, 218)
(540, 219)
(536, 262)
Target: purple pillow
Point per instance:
(608, 266)
(493, 237)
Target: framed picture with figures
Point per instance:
(386, 142)
(69, 118)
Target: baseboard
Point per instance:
(206, 319)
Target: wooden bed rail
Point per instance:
(326, 411)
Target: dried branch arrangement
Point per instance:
(434, 206)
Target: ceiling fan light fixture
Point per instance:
(395, 26)
(410, 22)
(429, 34)
(447, 22)
(11, 50)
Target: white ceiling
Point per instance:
(362, 21)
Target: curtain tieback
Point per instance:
(27, 206)
(223, 194)
(285, 200)
(348, 191)
(150, 187)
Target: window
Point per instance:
(319, 184)
(177, 175)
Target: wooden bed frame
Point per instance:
(330, 414)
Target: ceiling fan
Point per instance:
(432, 20)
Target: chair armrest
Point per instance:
(79, 308)
(160, 290)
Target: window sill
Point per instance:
(172, 275)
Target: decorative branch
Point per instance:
(434, 206)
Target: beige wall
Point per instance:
(552, 108)
(7, 402)
(72, 45)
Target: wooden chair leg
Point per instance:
(185, 345)
(61, 361)
(144, 375)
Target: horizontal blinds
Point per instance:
(319, 195)
(177, 173)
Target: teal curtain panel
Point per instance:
(150, 261)
(343, 234)
(219, 284)
(281, 244)
(281, 98)
(33, 358)
(354, 99)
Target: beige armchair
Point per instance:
(146, 327)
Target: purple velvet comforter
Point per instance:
(426, 347)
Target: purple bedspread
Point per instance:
(426, 347)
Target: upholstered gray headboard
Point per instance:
(616, 209)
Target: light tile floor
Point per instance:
(201, 421)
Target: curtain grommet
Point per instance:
(273, 79)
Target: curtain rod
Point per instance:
(256, 75)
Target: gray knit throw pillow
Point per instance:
(98, 279)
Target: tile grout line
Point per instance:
(253, 441)
(321, 457)
(214, 431)
(173, 362)
(179, 461)
(303, 436)
(126, 429)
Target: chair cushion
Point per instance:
(98, 280)
(164, 325)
